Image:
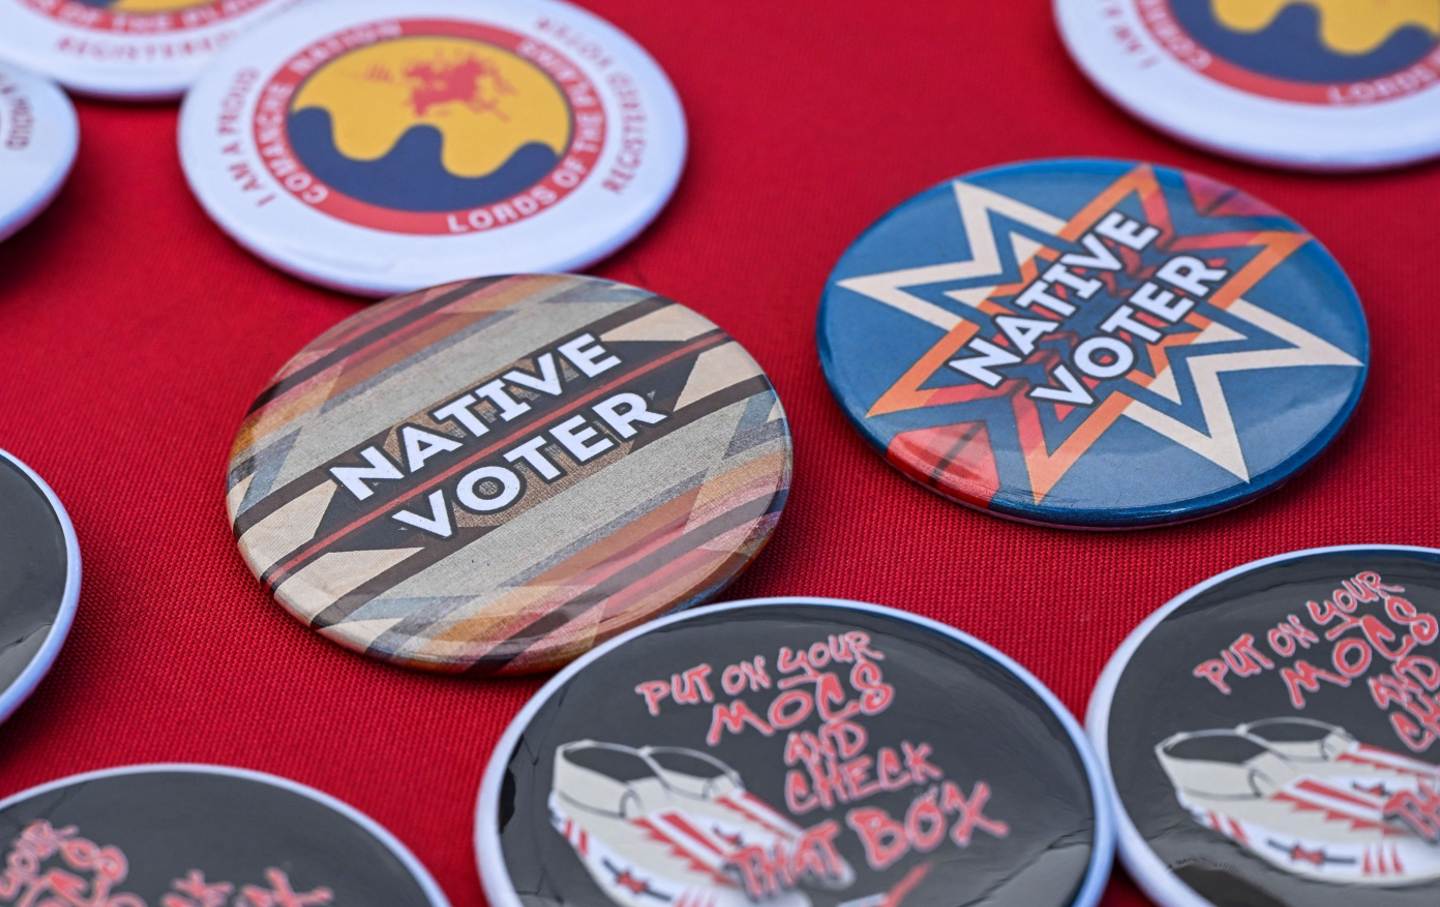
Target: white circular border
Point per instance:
(62, 147)
(29, 38)
(12, 697)
(1192, 107)
(1150, 872)
(375, 829)
(495, 879)
(369, 262)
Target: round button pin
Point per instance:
(793, 752)
(39, 581)
(1315, 84)
(1099, 344)
(39, 137)
(382, 146)
(131, 49)
(497, 475)
(201, 836)
(1273, 735)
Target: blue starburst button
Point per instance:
(1096, 344)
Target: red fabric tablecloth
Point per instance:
(134, 334)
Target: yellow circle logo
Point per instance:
(479, 105)
(432, 126)
(1345, 26)
(1306, 51)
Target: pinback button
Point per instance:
(793, 752)
(497, 475)
(39, 581)
(1097, 344)
(135, 49)
(39, 136)
(201, 836)
(1272, 735)
(381, 146)
(1327, 84)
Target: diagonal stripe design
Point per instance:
(639, 456)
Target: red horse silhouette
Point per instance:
(440, 83)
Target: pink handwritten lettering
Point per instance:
(50, 867)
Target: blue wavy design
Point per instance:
(411, 177)
(1290, 48)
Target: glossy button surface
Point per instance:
(497, 475)
(796, 752)
(382, 146)
(200, 836)
(1273, 735)
(39, 581)
(1316, 84)
(1091, 343)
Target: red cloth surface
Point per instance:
(134, 334)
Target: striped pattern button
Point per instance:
(495, 476)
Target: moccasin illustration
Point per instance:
(1307, 798)
(1326, 749)
(661, 825)
(715, 793)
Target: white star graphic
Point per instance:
(1218, 441)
